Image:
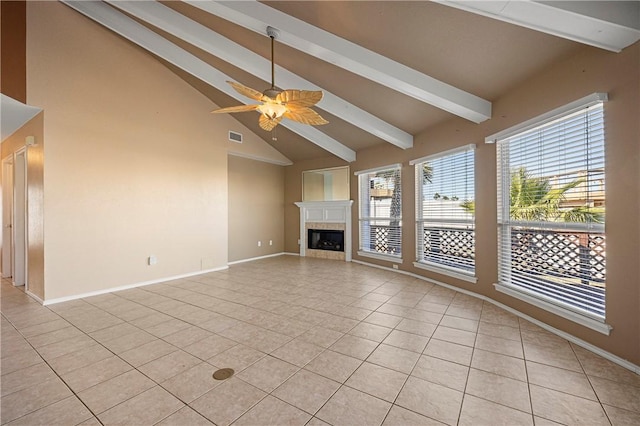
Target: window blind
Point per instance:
(551, 211)
(380, 214)
(445, 209)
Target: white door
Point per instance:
(7, 220)
(20, 218)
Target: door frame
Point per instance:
(19, 222)
(7, 216)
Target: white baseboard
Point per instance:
(34, 296)
(145, 283)
(235, 262)
(129, 286)
(571, 338)
(288, 253)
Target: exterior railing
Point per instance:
(576, 255)
(383, 239)
(449, 246)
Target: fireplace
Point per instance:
(325, 239)
(328, 216)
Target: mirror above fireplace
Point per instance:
(326, 184)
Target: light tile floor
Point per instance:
(313, 342)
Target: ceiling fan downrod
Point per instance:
(272, 92)
(276, 104)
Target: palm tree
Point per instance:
(396, 195)
(534, 199)
(427, 173)
(396, 202)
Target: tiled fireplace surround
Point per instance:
(326, 215)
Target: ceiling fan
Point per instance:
(278, 104)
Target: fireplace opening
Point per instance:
(322, 239)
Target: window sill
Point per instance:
(386, 257)
(446, 271)
(595, 324)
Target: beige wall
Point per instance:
(132, 169)
(256, 208)
(136, 164)
(592, 70)
(35, 199)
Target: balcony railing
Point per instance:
(448, 246)
(384, 239)
(579, 256)
(546, 262)
(567, 267)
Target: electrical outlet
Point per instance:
(152, 260)
(259, 243)
(270, 242)
(395, 266)
(298, 241)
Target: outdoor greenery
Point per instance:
(427, 173)
(395, 212)
(534, 199)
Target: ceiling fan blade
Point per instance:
(305, 116)
(299, 98)
(267, 123)
(239, 108)
(246, 91)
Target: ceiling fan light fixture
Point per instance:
(272, 110)
(276, 103)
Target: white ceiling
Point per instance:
(13, 115)
(389, 70)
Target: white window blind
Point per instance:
(380, 215)
(551, 207)
(445, 209)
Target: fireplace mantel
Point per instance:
(327, 212)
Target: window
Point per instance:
(445, 208)
(551, 209)
(380, 216)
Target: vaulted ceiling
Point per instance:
(389, 69)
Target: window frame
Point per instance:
(505, 223)
(460, 273)
(362, 250)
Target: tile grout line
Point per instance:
(307, 303)
(606, 414)
(54, 372)
(466, 383)
(526, 374)
(114, 354)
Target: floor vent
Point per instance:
(223, 373)
(235, 136)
